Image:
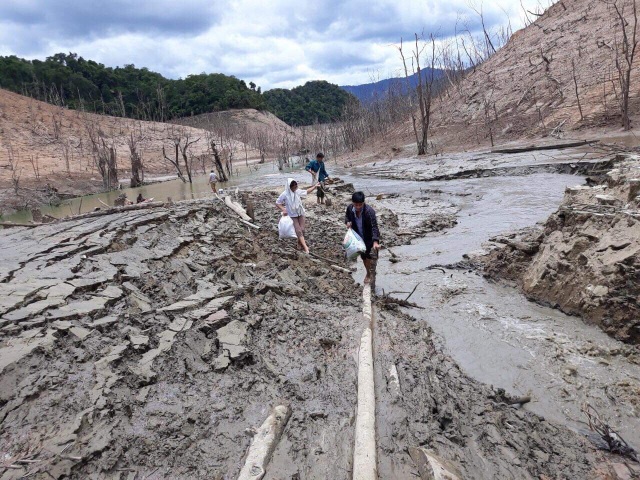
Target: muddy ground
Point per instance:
(149, 344)
(585, 258)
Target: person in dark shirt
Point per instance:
(362, 219)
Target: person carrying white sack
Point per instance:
(290, 203)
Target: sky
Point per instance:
(274, 43)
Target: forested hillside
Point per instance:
(313, 102)
(70, 80)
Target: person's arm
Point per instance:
(280, 205)
(347, 218)
(309, 168)
(375, 232)
(311, 189)
(323, 173)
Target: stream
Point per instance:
(492, 331)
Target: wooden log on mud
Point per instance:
(364, 452)
(264, 443)
(237, 208)
(110, 211)
(11, 224)
(532, 148)
(432, 467)
(99, 213)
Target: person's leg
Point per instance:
(298, 225)
(367, 266)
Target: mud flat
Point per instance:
(583, 161)
(155, 344)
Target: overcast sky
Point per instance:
(274, 43)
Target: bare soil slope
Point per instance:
(528, 86)
(44, 144)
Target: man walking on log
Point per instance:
(318, 174)
(362, 219)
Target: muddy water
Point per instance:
(253, 176)
(493, 332)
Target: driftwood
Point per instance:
(531, 148)
(237, 208)
(340, 269)
(364, 450)
(98, 213)
(264, 443)
(11, 224)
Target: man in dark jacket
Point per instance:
(362, 219)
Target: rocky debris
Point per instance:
(129, 341)
(586, 258)
(232, 338)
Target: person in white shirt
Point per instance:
(290, 203)
(213, 179)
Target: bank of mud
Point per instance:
(149, 344)
(585, 259)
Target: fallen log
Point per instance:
(264, 443)
(364, 451)
(340, 269)
(532, 148)
(237, 208)
(518, 401)
(11, 224)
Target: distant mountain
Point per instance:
(370, 91)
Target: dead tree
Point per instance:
(16, 171)
(184, 147)
(137, 168)
(625, 51)
(222, 176)
(175, 161)
(104, 156)
(575, 84)
(424, 91)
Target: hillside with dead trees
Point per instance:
(572, 68)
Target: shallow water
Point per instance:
(492, 331)
(254, 176)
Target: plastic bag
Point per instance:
(353, 244)
(285, 227)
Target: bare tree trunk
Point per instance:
(219, 167)
(575, 84)
(625, 54)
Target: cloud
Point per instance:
(280, 43)
(85, 19)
